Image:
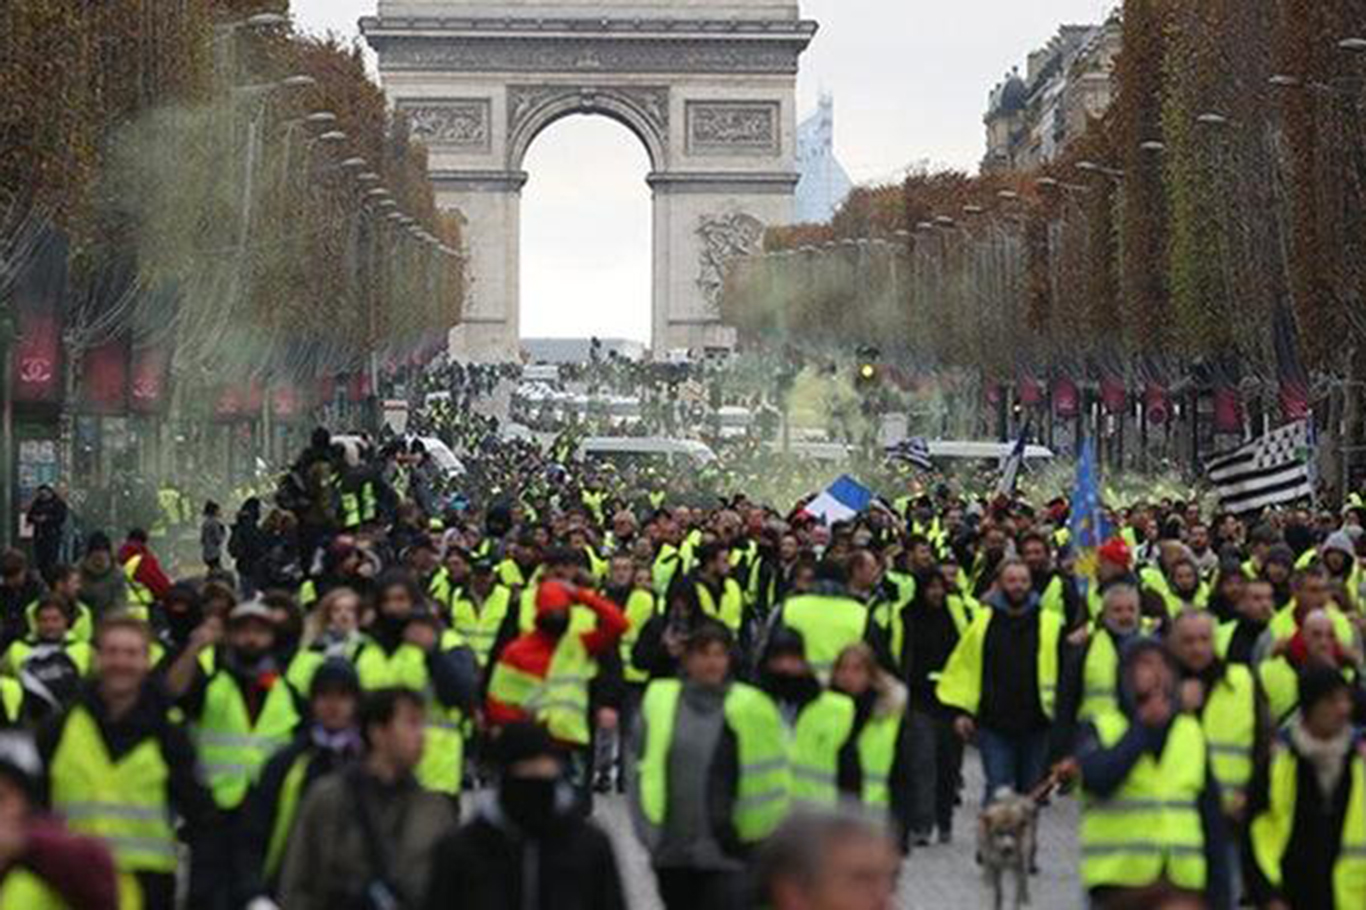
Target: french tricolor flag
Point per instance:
(841, 501)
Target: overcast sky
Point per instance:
(910, 80)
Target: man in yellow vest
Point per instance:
(712, 776)
(119, 769)
(1308, 806)
(1001, 681)
(329, 742)
(820, 723)
(1057, 591)
(827, 619)
(1089, 679)
(408, 647)
(709, 590)
(1151, 815)
(1228, 703)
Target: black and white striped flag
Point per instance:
(1268, 471)
(914, 451)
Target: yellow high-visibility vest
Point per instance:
(442, 767)
(960, 686)
(124, 802)
(1230, 722)
(763, 790)
(821, 731)
(1150, 827)
(1272, 829)
(231, 747)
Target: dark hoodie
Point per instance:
(489, 864)
(1010, 701)
(1105, 770)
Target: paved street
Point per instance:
(934, 878)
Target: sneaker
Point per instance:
(920, 838)
(945, 836)
(603, 784)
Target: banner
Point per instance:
(104, 378)
(149, 380)
(1155, 404)
(1066, 398)
(1113, 395)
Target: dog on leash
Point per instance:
(1006, 844)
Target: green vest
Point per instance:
(1283, 624)
(960, 686)
(664, 569)
(123, 802)
(140, 596)
(1271, 830)
(479, 626)
(640, 609)
(1052, 597)
(286, 808)
(877, 755)
(1099, 676)
(762, 794)
(560, 700)
(1150, 827)
(22, 890)
(443, 754)
(1230, 722)
(18, 654)
(822, 729)
(11, 700)
(827, 624)
(1281, 684)
(730, 610)
(232, 748)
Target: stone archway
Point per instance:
(708, 87)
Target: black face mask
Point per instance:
(792, 689)
(529, 803)
(553, 623)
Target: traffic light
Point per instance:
(869, 370)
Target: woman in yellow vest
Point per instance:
(712, 775)
(1308, 808)
(873, 768)
(1151, 817)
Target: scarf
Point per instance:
(1327, 756)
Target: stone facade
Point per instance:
(1031, 119)
(708, 88)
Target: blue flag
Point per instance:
(1087, 528)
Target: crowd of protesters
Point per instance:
(383, 687)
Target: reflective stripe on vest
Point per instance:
(762, 792)
(960, 685)
(1150, 827)
(1272, 829)
(822, 729)
(560, 699)
(232, 749)
(1230, 723)
(443, 753)
(123, 802)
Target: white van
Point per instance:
(655, 450)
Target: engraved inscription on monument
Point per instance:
(733, 127)
(452, 123)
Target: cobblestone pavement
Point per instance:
(934, 878)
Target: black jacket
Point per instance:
(257, 822)
(489, 865)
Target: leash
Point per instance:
(1045, 789)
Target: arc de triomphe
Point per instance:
(707, 85)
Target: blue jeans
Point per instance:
(1017, 761)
